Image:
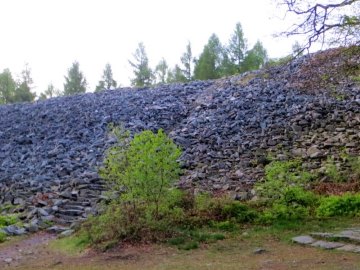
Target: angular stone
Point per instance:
(349, 248)
(303, 239)
(327, 245)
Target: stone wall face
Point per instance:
(50, 150)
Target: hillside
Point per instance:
(50, 150)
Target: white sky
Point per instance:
(51, 34)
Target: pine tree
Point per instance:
(210, 61)
(142, 71)
(50, 92)
(161, 71)
(237, 49)
(7, 87)
(187, 60)
(176, 75)
(107, 81)
(75, 82)
(255, 58)
(23, 90)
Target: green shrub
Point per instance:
(295, 204)
(278, 176)
(8, 220)
(238, 211)
(226, 225)
(345, 205)
(279, 212)
(2, 237)
(355, 166)
(333, 172)
(224, 208)
(299, 196)
(144, 169)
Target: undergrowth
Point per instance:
(148, 208)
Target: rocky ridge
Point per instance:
(50, 150)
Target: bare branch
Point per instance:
(319, 21)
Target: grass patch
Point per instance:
(71, 245)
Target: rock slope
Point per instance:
(50, 150)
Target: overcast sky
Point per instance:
(50, 35)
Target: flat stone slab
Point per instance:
(350, 248)
(303, 239)
(327, 245)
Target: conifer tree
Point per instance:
(161, 71)
(75, 82)
(209, 64)
(187, 61)
(142, 71)
(107, 81)
(237, 49)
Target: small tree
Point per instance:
(161, 71)
(187, 61)
(107, 81)
(50, 92)
(75, 82)
(142, 71)
(176, 75)
(255, 58)
(237, 48)
(7, 87)
(23, 90)
(209, 65)
(146, 168)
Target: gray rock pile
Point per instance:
(50, 150)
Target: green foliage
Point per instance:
(238, 211)
(50, 92)
(208, 66)
(237, 48)
(2, 237)
(175, 75)
(345, 205)
(295, 204)
(142, 71)
(107, 81)
(224, 225)
(75, 82)
(12, 91)
(187, 61)
(278, 176)
(7, 87)
(355, 166)
(147, 168)
(187, 240)
(278, 61)
(144, 170)
(8, 220)
(161, 71)
(255, 58)
(71, 245)
(333, 172)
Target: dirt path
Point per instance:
(34, 252)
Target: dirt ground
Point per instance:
(35, 252)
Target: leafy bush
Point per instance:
(278, 176)
(355, 167)
(8, 220)
(345, 205)
(146, 168)
(2, 237)
(295, 204)
(333, 172)
(143, 169)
